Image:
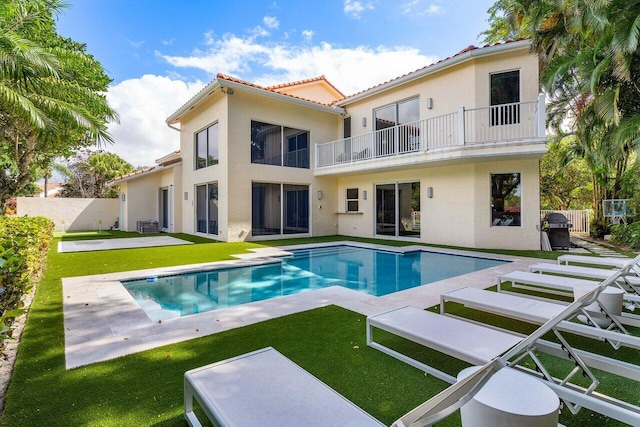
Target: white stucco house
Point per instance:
(448, 154)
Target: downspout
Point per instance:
(173, 127)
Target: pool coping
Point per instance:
(102, 321)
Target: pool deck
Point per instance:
(102, 321)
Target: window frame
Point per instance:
(505, 214)
(215, 159)
(286, 134)
(349, 201)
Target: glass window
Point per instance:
(505, 92)
(207, 208)
(207, 147)
(297, 150)
(505, 199)
(352, 200)
(270, 216)
(279, 146)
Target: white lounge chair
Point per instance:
(561, 285)
(629, 279)
(264, 388)
(537, 312)
(596, 260)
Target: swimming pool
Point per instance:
(376, 272)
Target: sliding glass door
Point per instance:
(207, 208)
(272, 214)
(398, 209)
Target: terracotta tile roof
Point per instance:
(134, 173)
(301, 82)
(462, 52)
(272, 89)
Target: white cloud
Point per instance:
(350, 69)
(415, 8)
(271, 22)
(307, 35)
(354, 8)
(143, 104)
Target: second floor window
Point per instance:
(505, 96)
(207, 147)
(279, 145)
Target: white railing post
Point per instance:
(461, 135)
(541, 119)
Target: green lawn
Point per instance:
(147, 388)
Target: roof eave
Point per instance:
(439, 66)
(282, 97)
(206, 91)
(151, 171)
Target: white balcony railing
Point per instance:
(501, 123)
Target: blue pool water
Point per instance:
(372, 271)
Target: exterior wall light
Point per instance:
(319, 194)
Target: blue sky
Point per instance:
(160, 53)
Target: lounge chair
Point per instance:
(561, 285)
(264, 388)
(595, 260)
(536, 311)
(630, 280)
(422, 327)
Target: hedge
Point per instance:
(24, 242)
(627, 235)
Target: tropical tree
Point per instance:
(565, 180)
(88, 172)
(52, 99)
(590, 68)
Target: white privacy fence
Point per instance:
(580, 219)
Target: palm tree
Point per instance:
(590, 67)
(51, 94)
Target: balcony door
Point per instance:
(391, 136)
(398, 209)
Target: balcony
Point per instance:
(522, 122)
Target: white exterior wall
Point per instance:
(142, 198)
(235, 173)
(71, 214)
(212, 110)
(459, 213)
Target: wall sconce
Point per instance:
(319, 194)
(429, 103)
(124, 197)
(364, 122)
(364, 195)
(429, 192)
(186, 195)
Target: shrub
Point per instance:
(24, 242)
(627, 235)
(599, 227)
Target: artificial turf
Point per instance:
(147, 388)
